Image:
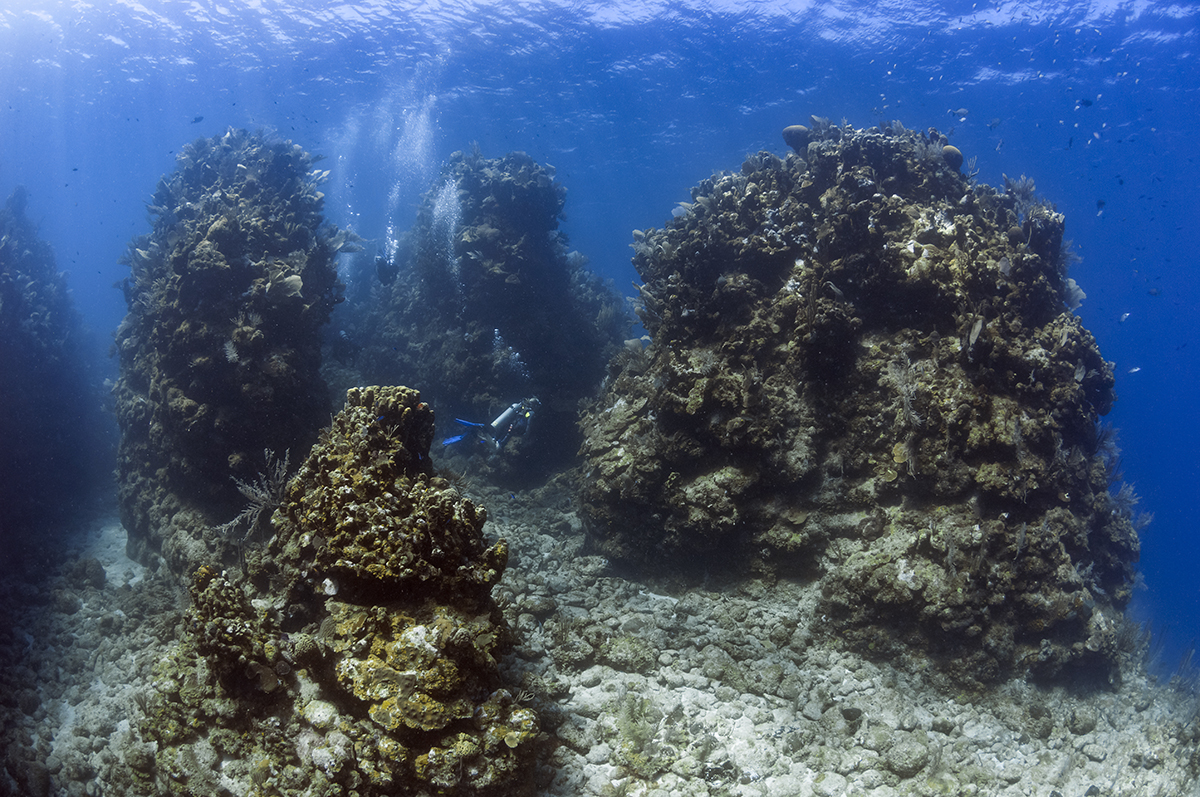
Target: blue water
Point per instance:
(634, 103)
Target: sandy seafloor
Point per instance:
(706, 691)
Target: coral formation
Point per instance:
(490, 307)
(366, 511)
(360, 651)
(864, 369)
(220, 349)
(50, 423)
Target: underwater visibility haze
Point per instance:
(599, 398)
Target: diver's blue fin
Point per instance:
(471, 424)
(449, 441)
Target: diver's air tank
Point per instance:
(506, 418)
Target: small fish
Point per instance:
(1123, 317)
(1086, 103)
(958, 112)
(198, 119)
(992, 125)
(1135, 369)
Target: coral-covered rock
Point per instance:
(491, 308)
(360, 653)
(864, 368)
(50, 423)
(367, 513)
(220, 349)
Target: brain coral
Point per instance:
(864, 369)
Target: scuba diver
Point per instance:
(344, 348)
(386, 270)
(514, 420)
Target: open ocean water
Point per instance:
(633, 103)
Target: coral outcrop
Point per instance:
(360, 653)
(220, 349)
(864, 369)
(490, 307)
(50, 422)
(374, 519)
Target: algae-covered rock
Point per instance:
(360, 651)
(220, 349)
(864, 368)
(490, 308)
